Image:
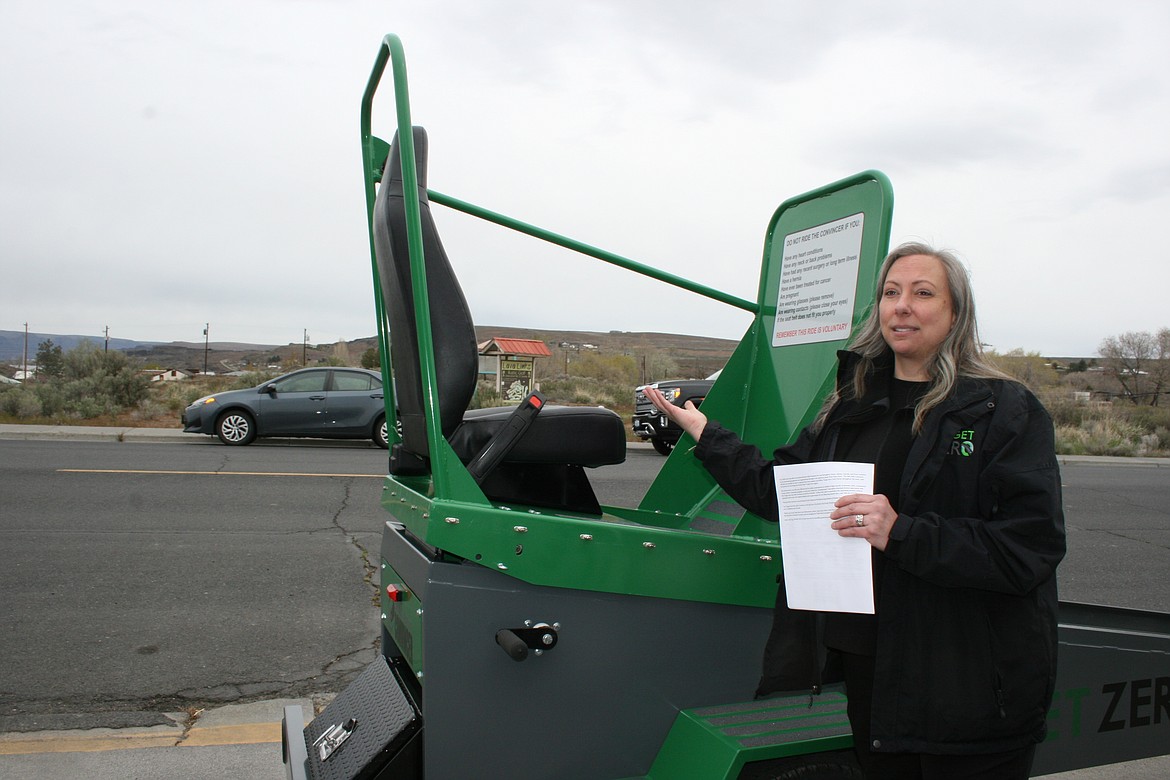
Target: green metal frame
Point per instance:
(665, 547)
(651, 550)
(768, 394)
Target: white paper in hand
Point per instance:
(823, 571)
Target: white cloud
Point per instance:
(166, 165)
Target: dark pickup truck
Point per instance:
(651, 424)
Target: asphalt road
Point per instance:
(140, 579)
(1117, 516)
(149, 578)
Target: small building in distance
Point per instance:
(169, 375)
(511, 363)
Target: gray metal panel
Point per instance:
(599, 704)
(410, 560)
(1112, 699)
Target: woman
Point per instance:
(953, 675)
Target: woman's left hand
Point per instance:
(874, 512)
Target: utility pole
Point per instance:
(107, 338)
(24, 360)
(305, 349)
(206, 328)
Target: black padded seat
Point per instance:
(542, 464)
(587, 436)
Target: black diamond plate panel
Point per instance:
(385, 720)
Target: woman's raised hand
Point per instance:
(687, 417)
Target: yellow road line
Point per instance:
(100, 740)
(216, 473)
(237, 734)
(90, 742)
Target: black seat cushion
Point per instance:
(581, 435)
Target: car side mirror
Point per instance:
(270, 389)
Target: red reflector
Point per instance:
(396, 593)
(535, 401)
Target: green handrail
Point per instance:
(373, 156)
(592, 251)
(392, 50)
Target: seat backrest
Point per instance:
(452, 331)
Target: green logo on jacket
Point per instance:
(964, 443)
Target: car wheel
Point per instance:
(381, 435)
(235, 427)
(663, 447)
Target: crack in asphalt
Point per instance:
(224, 462)
(184, 707)
(370, 568)
(1128, 538)
(1120, 498)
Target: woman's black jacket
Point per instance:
(966, 638)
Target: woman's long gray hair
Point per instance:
(960, 354)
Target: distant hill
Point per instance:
(695, 355)
(12, 343)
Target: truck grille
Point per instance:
(642, 404)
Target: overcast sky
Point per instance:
(165, 165)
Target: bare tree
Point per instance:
(1161, 372)
(1030, 368)
(1140, 362)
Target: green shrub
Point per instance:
(606, 368)
(86, 408)
(157, 407)
(1106, 435)
(52, 399)
(95, 383)
(486, 396)
(1065, 411)
(589, 391)
(1148, 418)
(20, 402)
